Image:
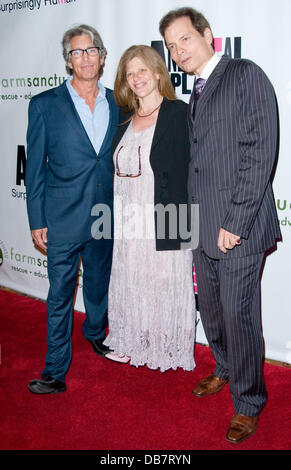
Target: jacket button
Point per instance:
(98, 159)
(196, 170)
(195, 140)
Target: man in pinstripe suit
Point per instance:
(233, 132)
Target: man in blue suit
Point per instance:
(233, 136)
(68, 172)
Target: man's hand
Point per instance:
(227, 241)
(39, 237)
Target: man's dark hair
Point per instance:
(198, 21)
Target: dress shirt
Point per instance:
(95, 123)
(210, 66)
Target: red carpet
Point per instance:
(116, 406)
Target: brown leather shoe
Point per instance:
(241, 427)
(209, 385)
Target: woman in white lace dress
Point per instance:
(151, 299)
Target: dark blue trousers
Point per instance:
(63, 264)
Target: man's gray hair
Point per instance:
(78, 31)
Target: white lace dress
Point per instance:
(151, 300)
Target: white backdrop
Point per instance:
(31, 61)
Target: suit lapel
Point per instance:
(111, 114)
(164, 119)
(66, 106)
(119, 134)
(190, 110)
(210, 87)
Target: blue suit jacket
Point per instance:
(65, 177)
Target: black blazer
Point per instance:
(169, 159)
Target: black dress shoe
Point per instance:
(100, 348)
(46, 385)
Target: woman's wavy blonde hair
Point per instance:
(124, 96)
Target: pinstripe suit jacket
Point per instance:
(233, 148)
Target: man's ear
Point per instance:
(208, 35)
(69, 64)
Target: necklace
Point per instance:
(147, 115)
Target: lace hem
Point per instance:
(155, 351)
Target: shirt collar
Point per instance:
(210, 66)
(101, 94)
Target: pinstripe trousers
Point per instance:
(229, 302)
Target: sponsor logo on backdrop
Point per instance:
(18, 191)
(229, 46)
(31, 5)
(13, 89)
(34, 266)
(3, 253)
(283, 209)
(182, 82)
(28, 264)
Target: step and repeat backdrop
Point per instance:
(31, 62)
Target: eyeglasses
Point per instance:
(129, 175)
(91, 51)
